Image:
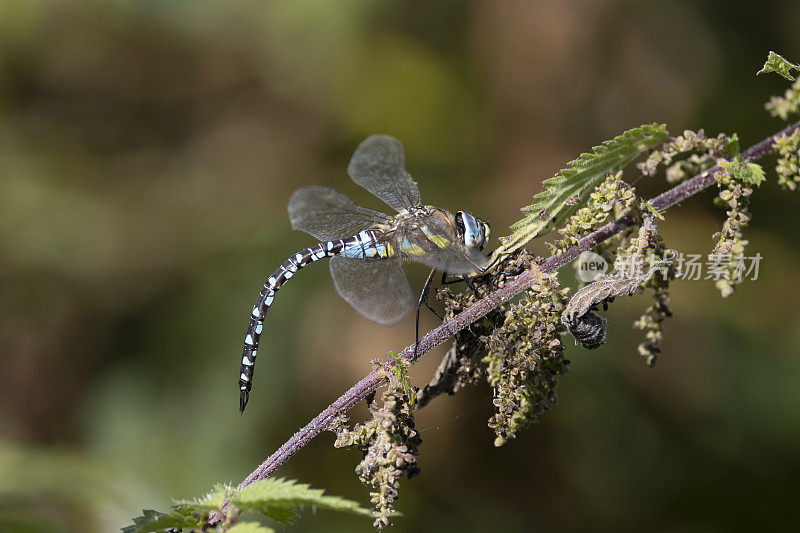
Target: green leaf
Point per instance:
(568, 191)
(401, 374)
(273, 496)
(249, 527)
(745, 172)
(776, 63)
(152, 522)
(277, 499)
(210, 502)
(653, 211)
(282, 514)
(731, 146)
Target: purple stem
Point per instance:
(437, 336)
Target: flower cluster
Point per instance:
(788, 104)
(525, 358)
(389, 443)
(457, 368)
(653, 317)
(788, 167)
(734, 196)
(706, 151)
(612, 197)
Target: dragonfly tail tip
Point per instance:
(243, 398)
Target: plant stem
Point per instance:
(437, 336)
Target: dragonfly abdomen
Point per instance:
(366, 245)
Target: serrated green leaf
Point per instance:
(776, 63)
(745, 172)
(282, 514)
(277, 499)
(269, 495)
(568, 191)
(250, 527)
(153, 522)
(210, 502)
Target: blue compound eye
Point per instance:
(473, 230)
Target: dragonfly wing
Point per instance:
(453, 260)
(379, 165)
(327, 214)
(378, 290)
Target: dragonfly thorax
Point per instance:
(473, 231)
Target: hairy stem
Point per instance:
(437, 336)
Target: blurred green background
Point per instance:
(147, 152)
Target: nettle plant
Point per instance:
(518, 348)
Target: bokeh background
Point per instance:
(147, 153)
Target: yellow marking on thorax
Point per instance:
(412, 249)
(438, 240)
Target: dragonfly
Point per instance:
(367, 247)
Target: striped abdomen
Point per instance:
(366, 245)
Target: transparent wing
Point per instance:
(453, 260)
(378, 290)
(379, 165)
(433, 241)
(328, 214)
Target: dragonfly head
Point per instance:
(473, 231)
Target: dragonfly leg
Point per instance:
(423, 299)
(459, 279)
(471, 285)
